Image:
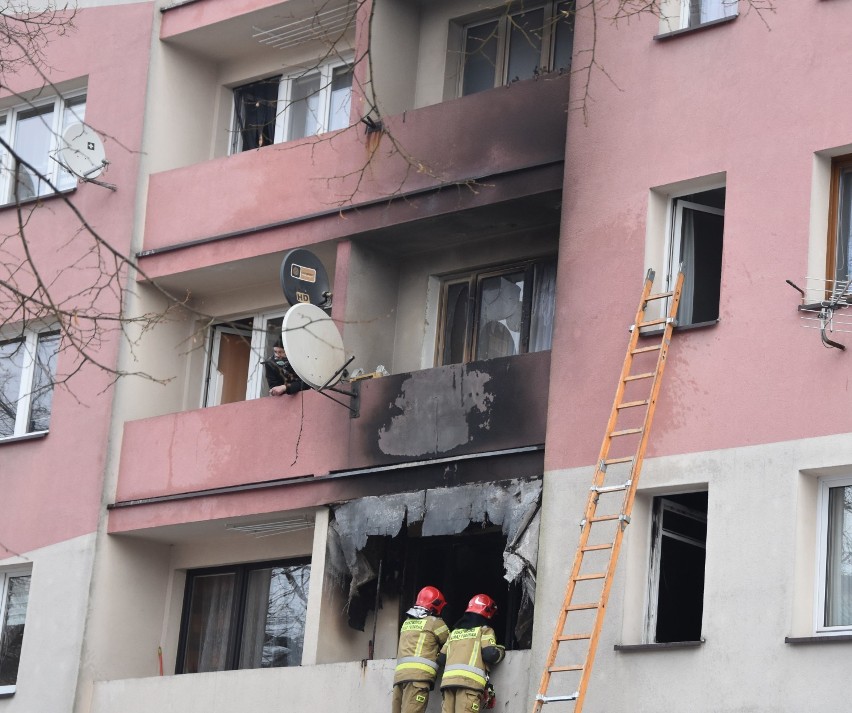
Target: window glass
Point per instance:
(456, 322)
(838, 578)
(501, 311)
(14, 614)
(525, 31)
(564, 41)
(304, 107)
(32, 142)
(341, 98)
(843, 254)
(209, 623)
(43, 378)
(480, 57)
(543, 306)
(11, 365)
(256, 107)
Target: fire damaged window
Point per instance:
(244, 616)
(678, 548)
(463, 540)
(497, 312)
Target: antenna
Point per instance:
(304, 279)
(823, 306)
(315, 350)
(82, 153)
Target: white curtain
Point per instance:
(543, 307)
(211, 617)
(687, 261)
(838, 585)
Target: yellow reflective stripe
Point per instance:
(452, 673)
(440, 630)
(418, 650)
(474, 655)
(417, 666)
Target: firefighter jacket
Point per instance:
(465, 667)
(420, 640)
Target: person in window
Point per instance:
(280, 376)
(420, 639)
(467, 657)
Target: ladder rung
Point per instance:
(581, 607)
(652, 322)
(625, 432)
(642, 350)
(616, 461)
(562, 669)
(633, 404)
(556, 699)
(574, 637)
(660, 296)
(604, 518)
(610, 488)
(586, 577)
(593, 548)
(640, 376)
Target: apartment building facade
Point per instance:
(486, 211)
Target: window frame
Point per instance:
(825, 485)
(474, 278)
(839, 165)
(283, 114)
(60, 106)
(5, 575)
(29, 339)
(236, 615)
(547, 53)
(725, 4)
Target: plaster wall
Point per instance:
(760, 578)
(395, 37)
(757, 376)
(53, 634)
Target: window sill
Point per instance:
(36, 199)
(632, 648)
(698, 28)
(7, 691)
(15, 439)
(821, 639)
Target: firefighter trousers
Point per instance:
(461, 700)
(410, 697)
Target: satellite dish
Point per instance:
(313, 344)
(304, 279)
(82, 152)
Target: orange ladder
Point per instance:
(575, 639)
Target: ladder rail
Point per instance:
(589, 517)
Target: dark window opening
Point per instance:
(677, 567)
(244, 616)
(256, 110)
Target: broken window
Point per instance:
(678, 544)
(244, 616)
(463, 540)
(497, 312)
(698, 222)
(14, 597)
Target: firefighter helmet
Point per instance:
(483, 604)
(431, 598)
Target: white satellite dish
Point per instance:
(314, 346)
(82, 152)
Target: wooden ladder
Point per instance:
(575, 639)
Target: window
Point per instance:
(676, 588)
(286, 108)
(27, 373)
(516, 45)
(834, 608)
(236, 352)
(33, 131)
(695, 246)
(497, 312)
(245, 616)
(683, 14)
(14, 595)
(839, 252)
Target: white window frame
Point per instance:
(30, 339)
(825, 484)
(211, 394)
(501, 69)
(283, 115)
(729, 8)
(5, 576)
(61, 107)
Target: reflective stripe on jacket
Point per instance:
(420, 640)
(464, 667)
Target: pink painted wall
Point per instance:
(756, 103)
(51, 487)
(471, 137)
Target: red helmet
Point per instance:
(482, 604)
(431, 598)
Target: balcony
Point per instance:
(228, 460)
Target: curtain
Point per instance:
(543, 306)
(838, 585)
(254, 619)
(687, 264)
(209, 623)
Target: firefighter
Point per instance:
(467, 657)
(420, 639)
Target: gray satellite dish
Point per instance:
(304, 279)
(82, 152)
(314, 346)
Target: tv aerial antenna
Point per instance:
(82, 153)
(311, 339)
(823, 307)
